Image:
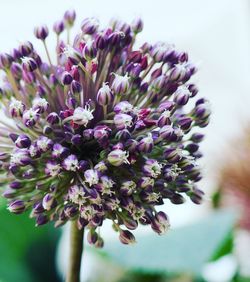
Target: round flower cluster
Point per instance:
(103, 133)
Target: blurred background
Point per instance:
(206, 243)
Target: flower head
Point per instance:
(106, 132)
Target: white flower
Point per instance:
(82, 116)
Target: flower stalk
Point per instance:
(76, 250)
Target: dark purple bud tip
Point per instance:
(41, 220)
(126, 237)
(5, 61)
(29, 64)
(23, 141)
(41, 32)
(69, 17)
(16, 185)
(58, 27)
(66, 78)
(17, 207)
(92, 237)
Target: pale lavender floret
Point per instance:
(152, 168)
(104, 95)
(118, 157)
(123, 107)
(44, 143)
(20, 157)
(17, 207)
(120, 84)
(30, 117)
(146, 144)
(89, 25)
(71, 163)
(16, 108)
(48, 201)
(23, 141)
(91, 177)
(122, 121)
(52, 168)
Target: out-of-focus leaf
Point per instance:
(183, 250)
(17, 234)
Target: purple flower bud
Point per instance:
(202, 110)
(160, 51)
(89, 51)
(26, 48)
(5, 61)
(101, 41)
(58, 27)
(69, 17)
(173, 155)
(126, 237)
(53, 118)
(23, 141)
(137, 25)
(120, 84)
(104, 95)
(164, 119)
(48, 202)
(123, 107)
(9, 194)
(16, 108)
(40, 105)
(101, 167)
(146, 182)
(75, 87)
(166, 132)
(89, 25)
(127, 187)
(88, 134)
(66, 78)
(152, 168)
(92, 237)
(160, 223)
(82, 116)
(123, 121)
(41, 32)
(29, 64)
(182, 95)
(146, 144)
(158, 83)
(185, 123)
(52, 168)
(41, 219)
(179, 73)
(91, 177)
(177, 199)
(130, 223)
(76, 139)
(17, 207)
(102, 132)
(20, 157)
(30, 117)
(117, 157)
(99, 243)
(197, 137)
(71, 163)
(44, 143)
(193, 90)
(16, 185)
(34, 152)
(16, 70)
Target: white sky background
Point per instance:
(215, 33)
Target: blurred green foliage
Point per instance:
(27, 252)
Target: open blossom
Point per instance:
(106, 132)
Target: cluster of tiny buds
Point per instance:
(102, 134)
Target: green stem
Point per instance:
(76, 249)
